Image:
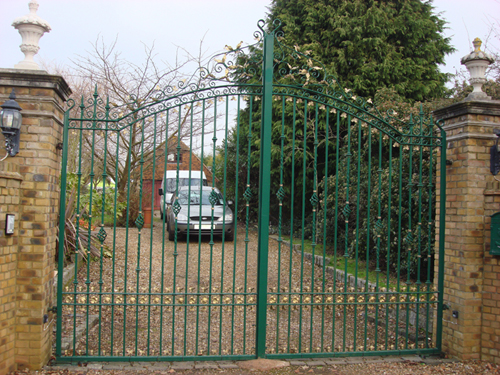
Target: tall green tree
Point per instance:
(371, 44)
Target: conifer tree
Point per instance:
(371, 44)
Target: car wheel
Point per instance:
(171, 233)
(230, 236)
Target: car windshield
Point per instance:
(171, 183)
(195, 198)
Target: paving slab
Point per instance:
(182, 365)
(315, 362)
(205, 366)
(412, 358)
(297, 363)
(227, 365)
(336, 361)
(392, 359)
(262, 364)
(432, 361)
(355, 360)
(372, 358)
(160, 366)
(449, 360)
(114, 366)
(94, 366)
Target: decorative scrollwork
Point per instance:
(139, 222)
(238, 71)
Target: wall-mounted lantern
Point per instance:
(495, 155)
(10, 124)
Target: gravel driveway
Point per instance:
(199, 298)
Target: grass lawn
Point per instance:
(351, 266)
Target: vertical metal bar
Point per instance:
(89, 234)
(304, 164)
(325, 208)
(335, 237)
(211, 243)
(358, 209)
(442, 223)
(175, 253)
(347, 212)
(280, 195)
(62, 227)
(162, 286)
(125, 266)
(389, 210)
(139, 234)
(223, 224)
(429, 243)
(104, 175)
(247, 224)
(400, 215)
(264, 194)
(409, 235)
(77, 226)
(153, 178)
(113, 271)
(368, 234)
(235, 218)
(419, 225)
(379, 220)
(186, 299)
(292, 195)
(314, 201)
(197, 349)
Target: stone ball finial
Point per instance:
(476, 63)
(31, 27)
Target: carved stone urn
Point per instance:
(476, 63)
(31, 27)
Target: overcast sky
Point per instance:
(167, 23)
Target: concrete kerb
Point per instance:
(224, 365)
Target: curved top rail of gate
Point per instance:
(236, 72)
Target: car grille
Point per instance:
(203, 218)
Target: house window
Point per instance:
(172, 158)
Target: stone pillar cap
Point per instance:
(477, 54)
(32, 18)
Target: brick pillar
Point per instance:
(41, 96)
(472, 276)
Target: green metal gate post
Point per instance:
(442, 224)
(62, 226)
(264, 194)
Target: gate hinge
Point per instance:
(53, 309)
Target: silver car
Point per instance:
(195, 212)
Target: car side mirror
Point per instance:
(230, 202)
(160, 191)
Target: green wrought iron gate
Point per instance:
(327, 247)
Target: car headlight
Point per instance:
(181, 217)
(227, 218)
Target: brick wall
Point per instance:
(41, 97)
(10, 184)
(470, 277)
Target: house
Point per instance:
(187, 160)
